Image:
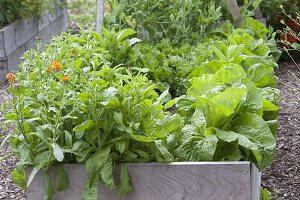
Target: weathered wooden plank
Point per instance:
(44, 22)
(14, 59)
(59, 25)
(9, 33)
(25, 30)
(255, 182)
(234, 9)
(153, 181)
(3, 70)
(2, 49)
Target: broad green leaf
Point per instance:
(195, 146)
(61, 178)
(173, 123)
(124, 183)
(170, 104)
(57, 152)
(227, 151)
(198, 118)
(121, 145)
(259, 29)
(124, 34)
(68, 139)
(141, 138)
(229, 74)
(261, 75)
(256, 130)
(269, 106)
(19, 178)
(88, 124)
(161, 145)
(98, 159)
(227, 136)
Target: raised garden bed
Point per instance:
(184, 180)
(21, 35)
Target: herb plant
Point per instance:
(104, 100)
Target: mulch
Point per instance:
(282, 178)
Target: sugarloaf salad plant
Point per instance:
(103, 100)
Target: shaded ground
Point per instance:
(282, 178)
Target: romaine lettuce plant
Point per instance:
(102, 100)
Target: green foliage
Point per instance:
(10, 10)
(102, 100)
(83, 12)
(265, 194)
(180, 21)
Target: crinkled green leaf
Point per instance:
(256, 130)
(162, 147)
(107, 175)
(90, 191)
(195, 146)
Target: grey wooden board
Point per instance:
(9, 33)
(59, 24)
(255, 182)
(3, 70)
(2, 50)
(161, 181)
(13, 60)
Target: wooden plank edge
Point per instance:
(255, 178)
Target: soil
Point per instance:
(282, 178)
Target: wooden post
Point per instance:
(100, 14)
(234, 10)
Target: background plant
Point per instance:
(10, 10)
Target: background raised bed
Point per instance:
(21, 35)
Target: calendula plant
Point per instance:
(103, 100)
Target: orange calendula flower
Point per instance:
(11, 77)
(65, 78)
(55, 66)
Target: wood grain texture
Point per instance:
(161, 181)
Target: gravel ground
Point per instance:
(282, 178)
(8, 190)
